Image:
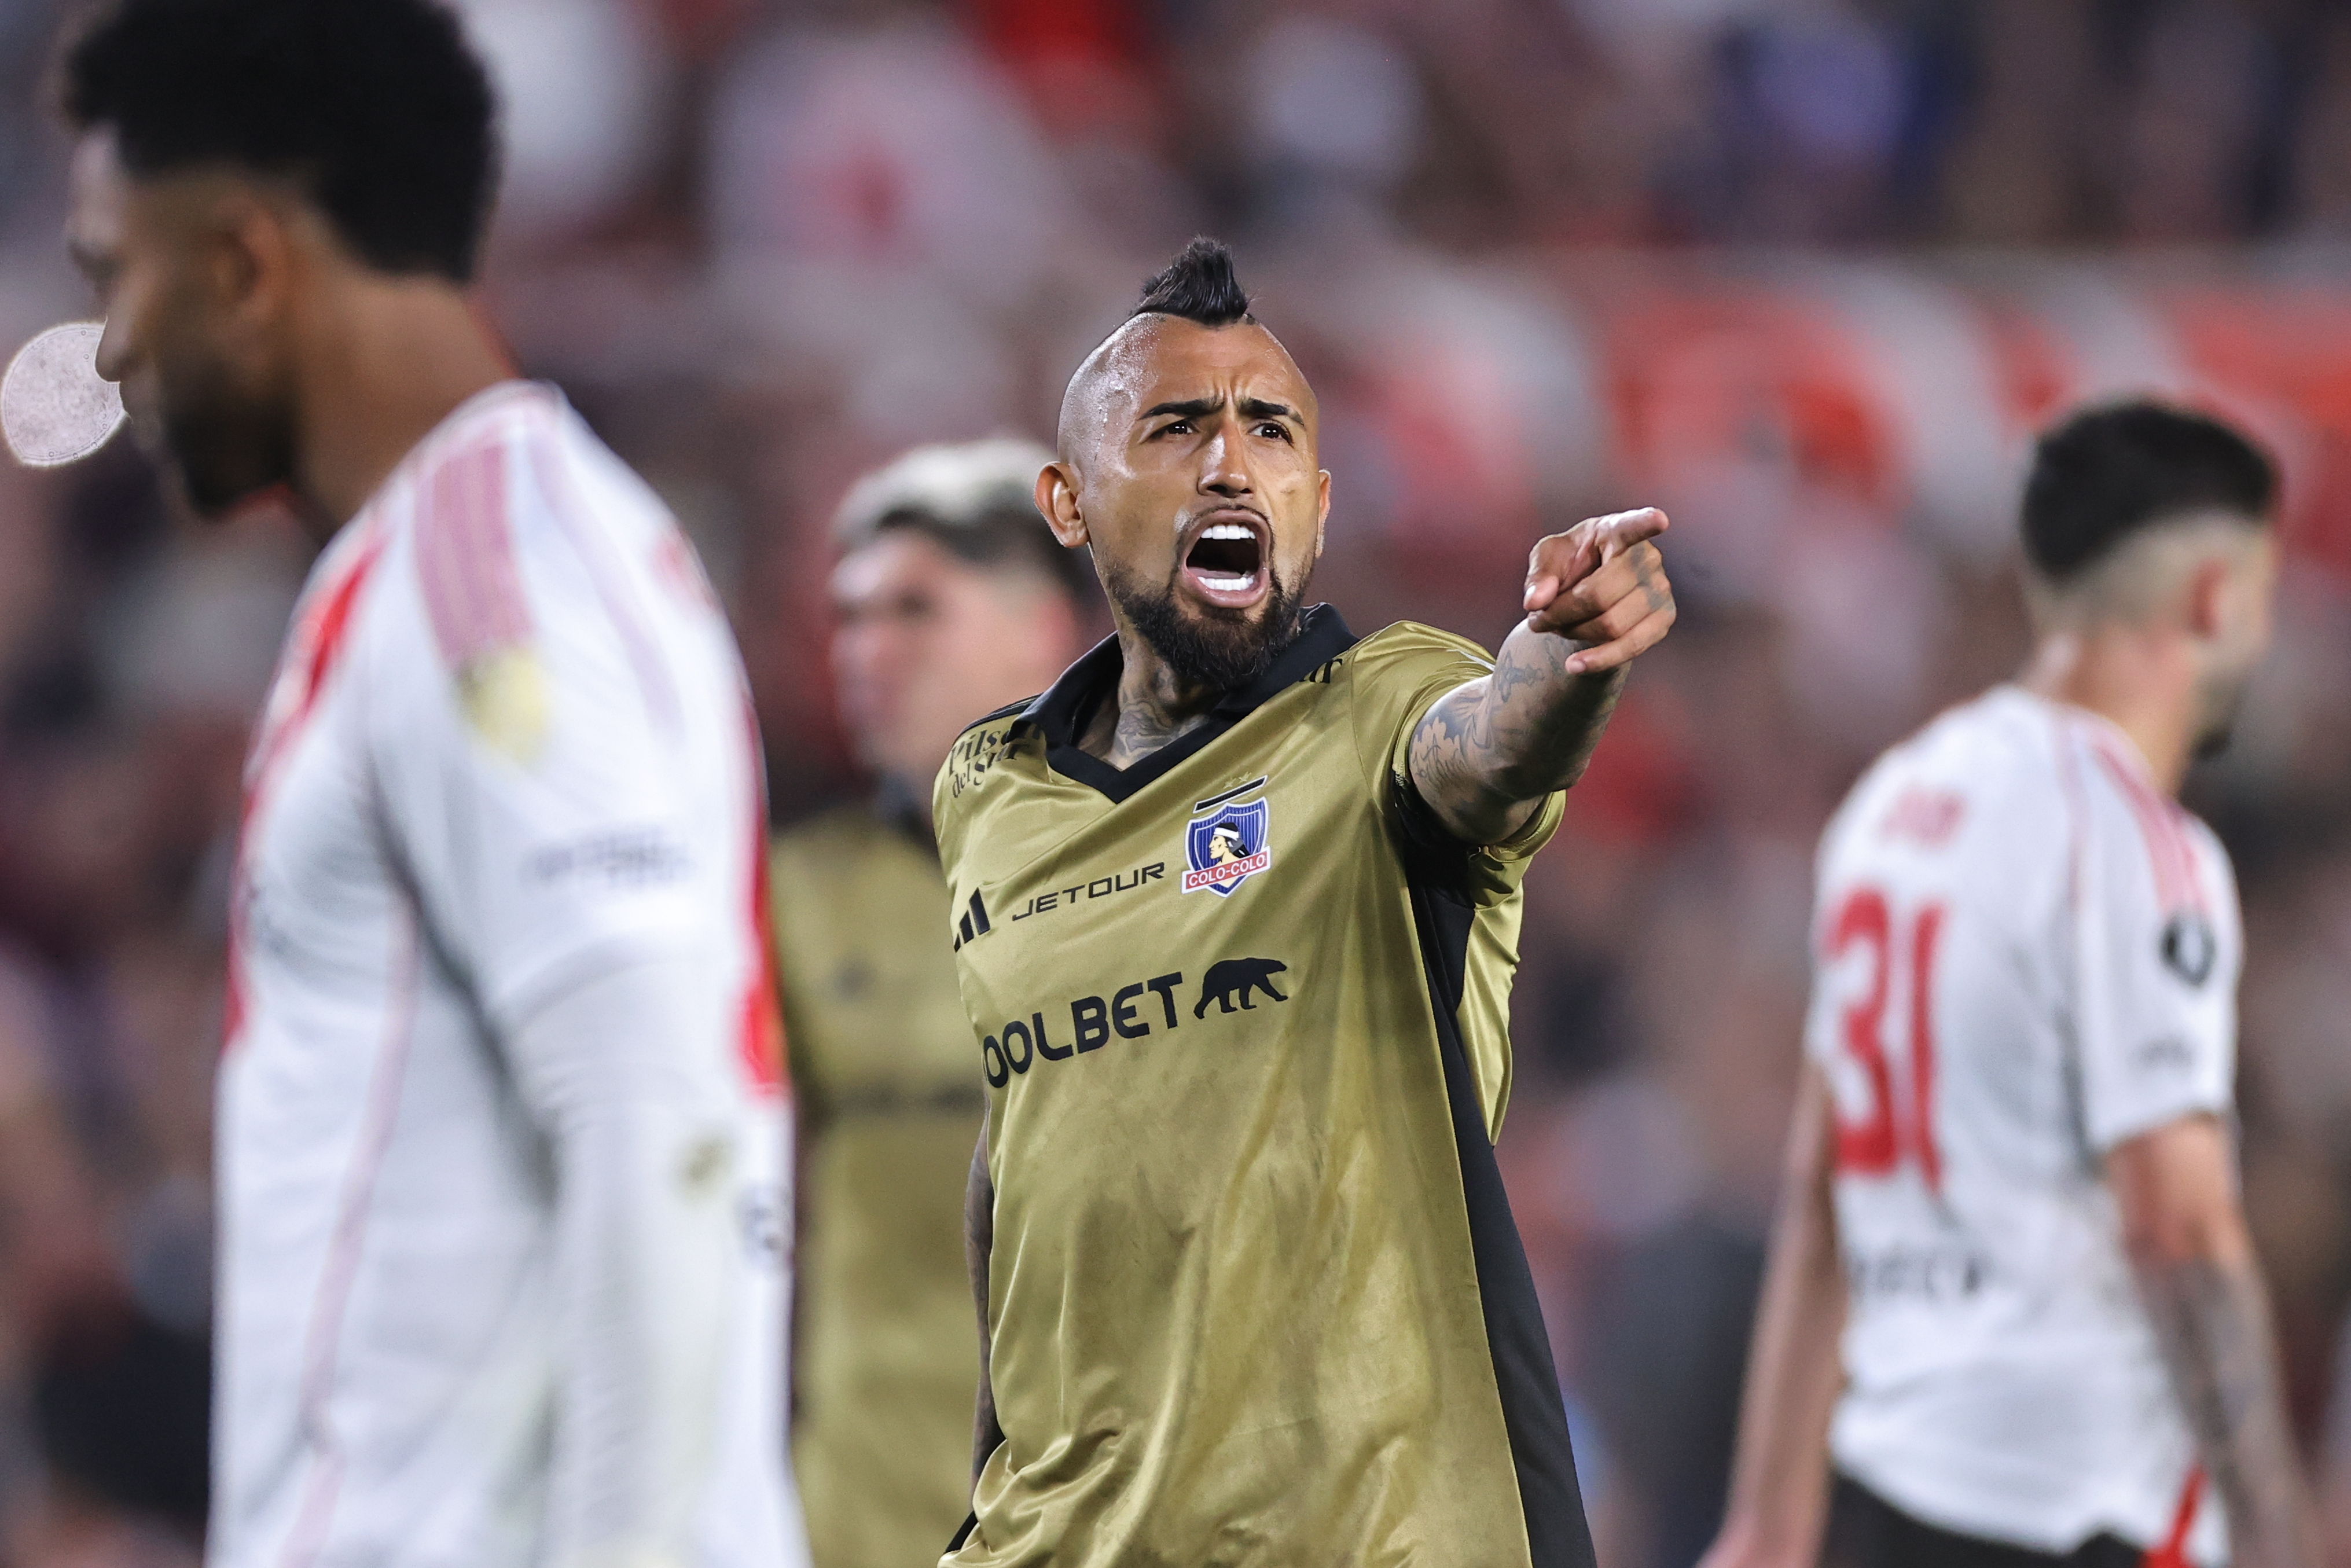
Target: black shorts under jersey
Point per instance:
(1865, 1530)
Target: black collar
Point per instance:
(1060, 713)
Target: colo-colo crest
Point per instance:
(1225, 846)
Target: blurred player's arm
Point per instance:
(649, 1249)
(2334, 1464)
(1778, 1484)
(811, 1116)
(978, 1237)
(2185, 1231)
(1488, 752)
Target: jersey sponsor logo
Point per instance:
(1225, 844)
(976, 751)
(1099, 887)
(1930, 1274)
(2190, 948)
(1241, 977)
(1130, 1012)
(618, 857)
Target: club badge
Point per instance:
(2189, 948)
(1225, 846)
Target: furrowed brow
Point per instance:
(1197, 408)
(1258, 408)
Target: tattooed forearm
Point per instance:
(2212, 1321)
(1596, 598)
(1487, 753)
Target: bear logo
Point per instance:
(1232, 980)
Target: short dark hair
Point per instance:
(1000, 536)
(2112, 470)
(377, 109)
(1198, 285)
(975, 499)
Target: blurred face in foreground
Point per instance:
(926, 641)
(193, 272)
(1188, 463)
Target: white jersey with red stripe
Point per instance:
(508, 758)
(2025, 954)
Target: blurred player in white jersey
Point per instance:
(500, 1143)
(2012, 1297)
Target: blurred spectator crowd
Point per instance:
(1808, 273)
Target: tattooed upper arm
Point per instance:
(1448, 745)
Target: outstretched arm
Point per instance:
(1779, 1479)
(1488, 752)
(2186, 1233)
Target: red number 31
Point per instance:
(1875, 1143)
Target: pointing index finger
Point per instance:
(1626, 529)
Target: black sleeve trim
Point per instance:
(1433, 857)
(1557, 1533)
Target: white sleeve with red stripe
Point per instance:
(545, 811)
(563, 761)
(2158, 946)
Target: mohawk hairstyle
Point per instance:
(1198, 285)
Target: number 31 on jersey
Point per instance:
(1887, 957)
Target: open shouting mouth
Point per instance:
(1226, 562)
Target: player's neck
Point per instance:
(2137, 679)
(388, 359)
(1154, 706)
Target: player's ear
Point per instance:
(2209, 592)
(250, 259)
(1321, 508)
(1057, 498)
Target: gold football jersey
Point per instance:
(886, 1357)
(1255, 1293)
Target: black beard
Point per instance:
(1218, 651)
(2224, 706)
(227, 445)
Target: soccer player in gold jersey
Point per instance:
(1235, 908)
(951, 596)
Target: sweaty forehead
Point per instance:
(1153, 360)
